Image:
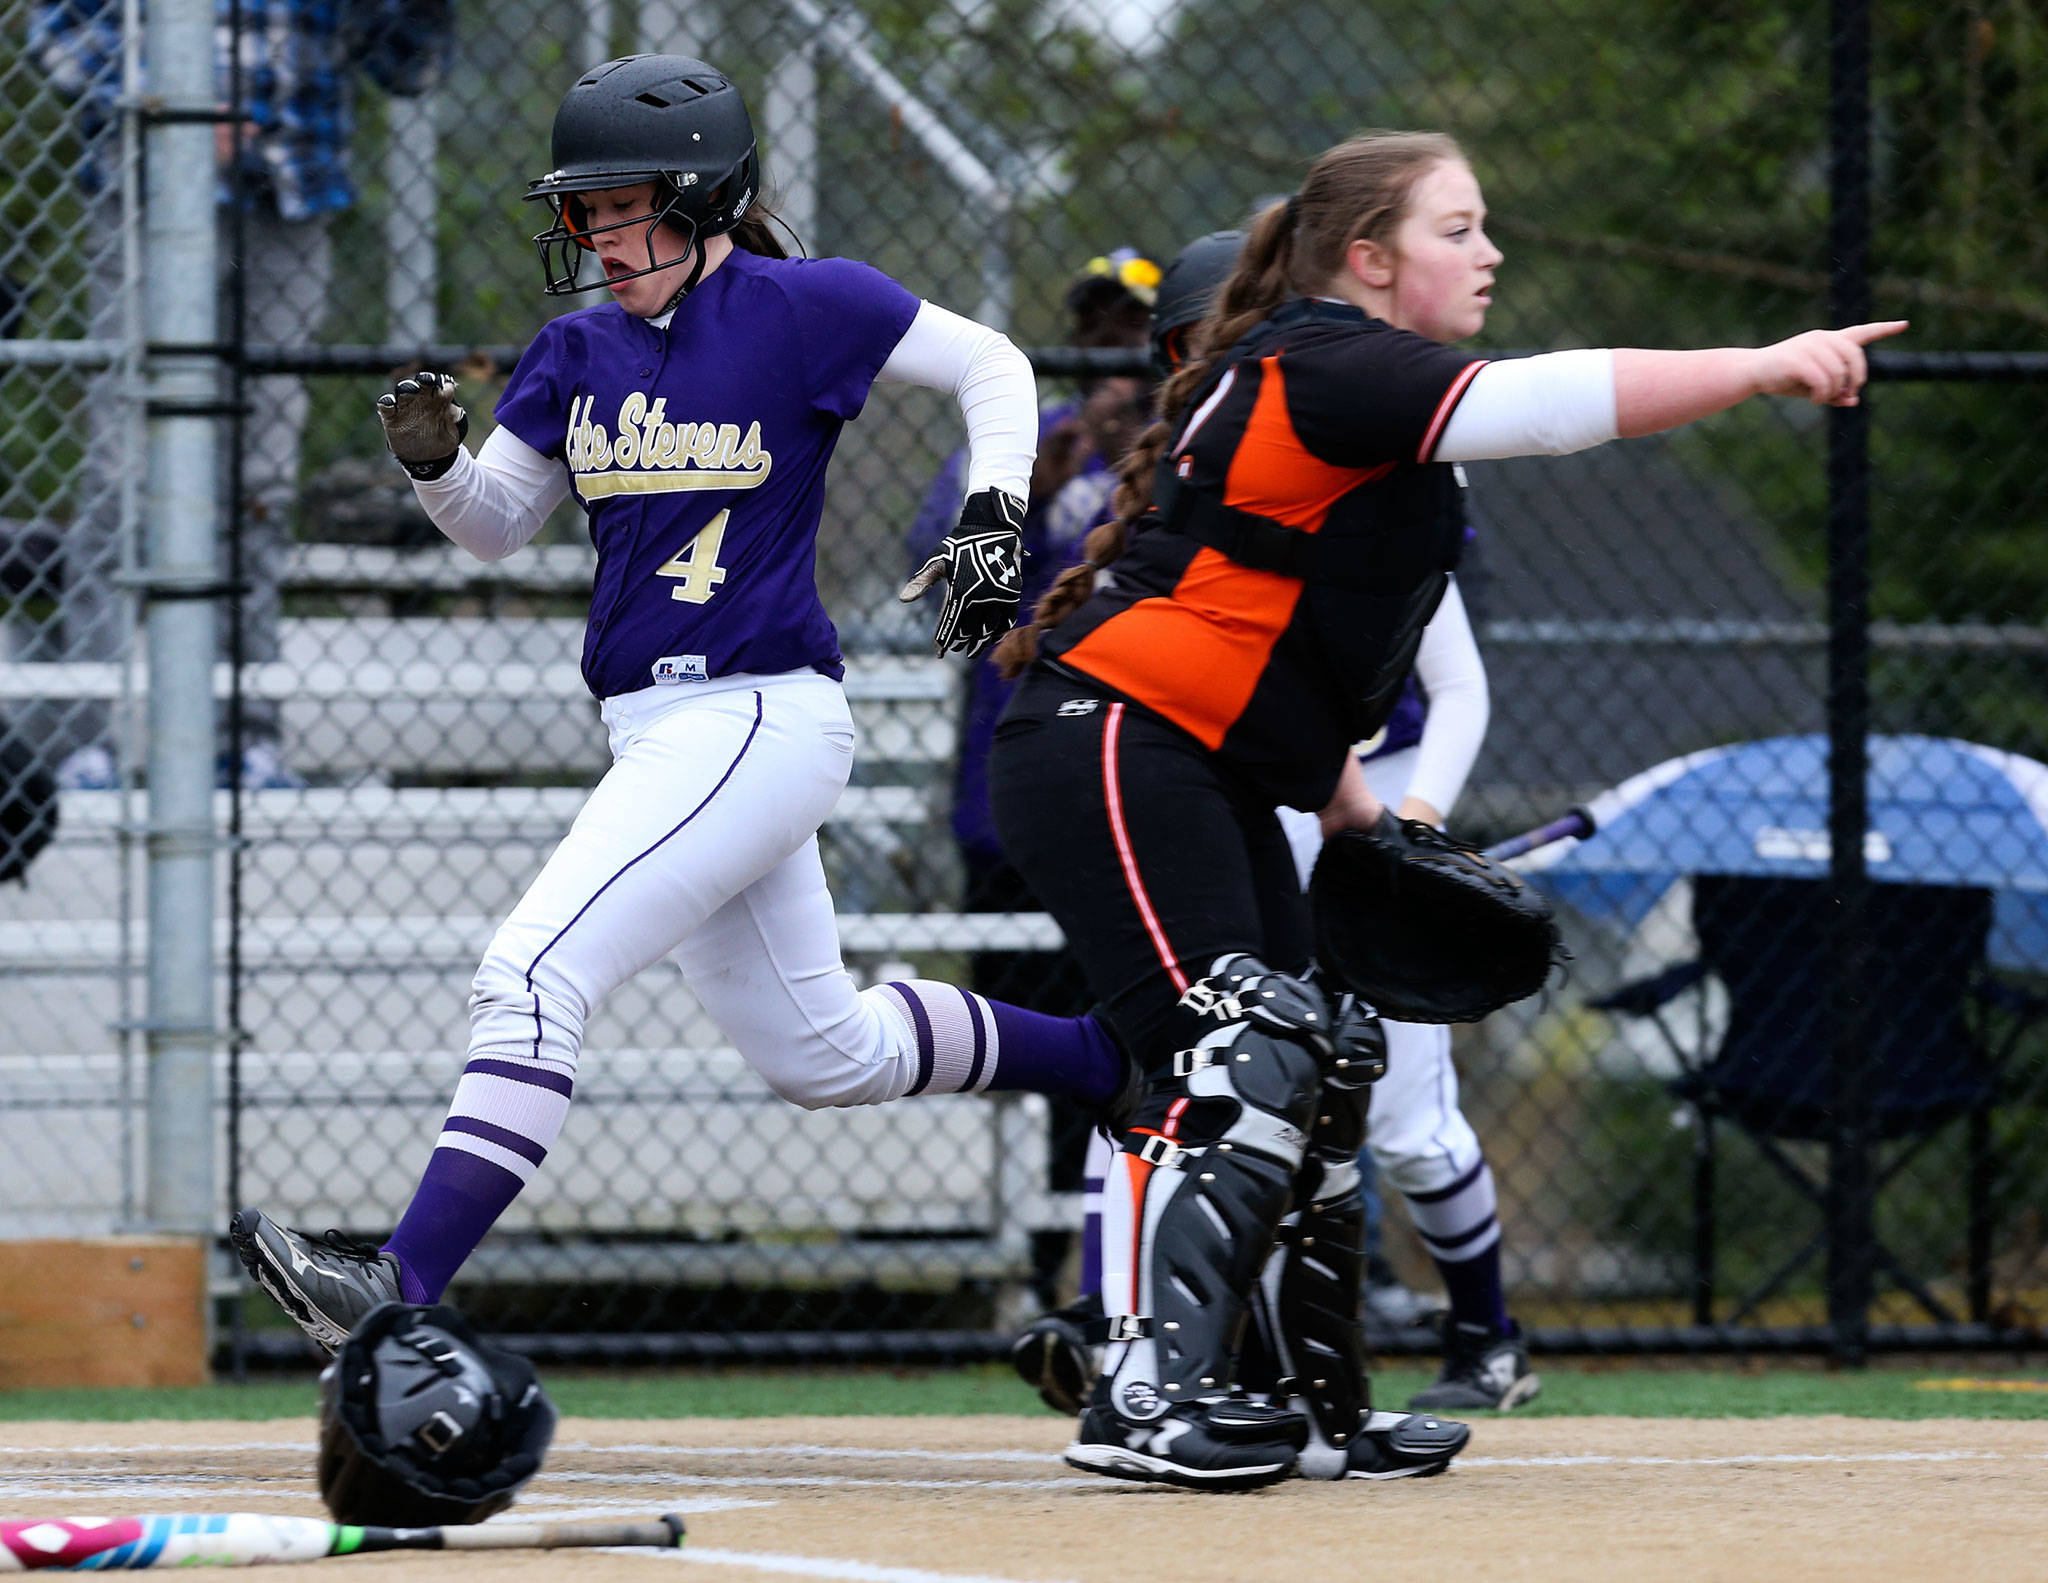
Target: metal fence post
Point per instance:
(180, 578)
(1850, 1169)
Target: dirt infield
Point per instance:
(949, 1500)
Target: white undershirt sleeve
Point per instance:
(992, 381)
(493, 502)
(1533, 406)
(1454, 680)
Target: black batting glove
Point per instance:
(982, 562)
(423, 425)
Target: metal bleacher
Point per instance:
(351, 884)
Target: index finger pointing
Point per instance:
(1864, 334)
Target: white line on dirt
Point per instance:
(153, 1448)
(1465, 1463)
(140, 1490)
(64, 1454)
(814, 1566)
(822, 1481)
(876, 1452)
(563, 1511)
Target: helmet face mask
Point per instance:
(668, 120)
(563, 245)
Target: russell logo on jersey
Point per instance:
(644, 453)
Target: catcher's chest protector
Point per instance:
(1306, 454)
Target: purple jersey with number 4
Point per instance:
(698, 453)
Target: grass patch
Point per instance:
(1648, 1391)
(1570, 1389)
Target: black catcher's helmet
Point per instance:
(667, 119)
(1185, 292)
(422, 1425)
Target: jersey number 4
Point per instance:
(697, 565)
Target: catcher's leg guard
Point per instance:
(1306, 1343)
(1193, 1198)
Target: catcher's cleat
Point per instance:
(1403, 1446)
(1052, 1355)
(1483, 1370)
(1233, 1444)
(327, 1284)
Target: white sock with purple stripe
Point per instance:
(964, 1043)
(1459, 1220)
(1460, 1226)
(953, 1034)
(509, 1110)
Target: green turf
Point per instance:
(1643, 1390)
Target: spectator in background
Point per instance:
(1079, 441)
(288, 162)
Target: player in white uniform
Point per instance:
(693, 416)
(1418, 1137)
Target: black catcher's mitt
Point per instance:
(1426, 927)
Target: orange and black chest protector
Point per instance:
(1301, 536)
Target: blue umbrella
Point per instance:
(1942, 812)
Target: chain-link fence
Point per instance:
(411, 735)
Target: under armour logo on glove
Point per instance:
(982, 562)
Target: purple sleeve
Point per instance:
(852, 315)
(534, 403)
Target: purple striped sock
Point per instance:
(460, 1197)
(1066, 1057)
(1459, 1224)
(968, 1044)
(507, 1110)
(1474, 1287)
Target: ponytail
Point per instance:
(1357, 190)
(1255, 288)
(756, 233)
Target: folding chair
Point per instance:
(1935, 1055)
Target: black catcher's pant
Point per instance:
(1154, 859)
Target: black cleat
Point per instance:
(1484, 1370)
(1228, 1445)
(1052, 1355)
(1404, 1446)
(326, 1283)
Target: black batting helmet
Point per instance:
(667, 119)
(422, 1425)
(1185, 292)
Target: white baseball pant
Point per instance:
(1418, 1136)
(700, 844)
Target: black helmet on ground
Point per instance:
(1185, 292)
(423, 1425)
(668, 120)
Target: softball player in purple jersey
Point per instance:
(693, 417)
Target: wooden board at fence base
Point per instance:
(102, 1311)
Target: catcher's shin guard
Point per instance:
(1201, 1182)
(1306, 1344)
